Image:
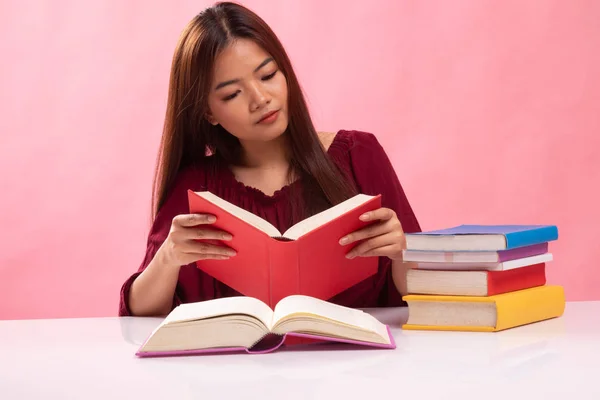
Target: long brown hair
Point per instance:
(187, 134)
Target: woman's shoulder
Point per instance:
(347, 141)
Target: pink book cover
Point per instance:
(268, 344)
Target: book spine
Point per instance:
(531, 237)
(522, 252)
(284, 273)
(516, 279)
(266, 344)
(529, 305)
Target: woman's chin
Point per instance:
(271, 132)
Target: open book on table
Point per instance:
(306, 259)
(235, 324)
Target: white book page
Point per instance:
(247, 216)
(450, 256)
(459, 242)
(484, 266)
(527, 261)
(298, 304)
(221, 307)
(311, 223)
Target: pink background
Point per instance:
(488, 109)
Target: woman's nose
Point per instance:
(260, 97)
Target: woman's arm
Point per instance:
(383, 238)
(399, 270)
(152, 292)
(155, 288)
(374, 174)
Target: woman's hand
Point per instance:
(384, 237)
(181, 247)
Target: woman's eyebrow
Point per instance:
(232, 81)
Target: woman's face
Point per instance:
(248, 93)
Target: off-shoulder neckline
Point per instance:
(337, 142)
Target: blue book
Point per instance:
(481, 237)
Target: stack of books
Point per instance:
(481, 278)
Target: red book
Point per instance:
(307, 259)
(475, 283)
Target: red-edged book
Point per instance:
(307, 259)
(475, 283)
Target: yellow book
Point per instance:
(484, 314)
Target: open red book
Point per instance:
(307, 259)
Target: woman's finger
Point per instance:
(187, 220)
(365, 233)
(382, 214)
(207, 234)
(192, 258)
(213, 257)
(194, 247)
(373, 243)
(389, 250)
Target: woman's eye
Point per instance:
(266, 78)
(231, 96)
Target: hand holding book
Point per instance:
(383, 238)
(189, 240)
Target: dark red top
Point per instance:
(357, 152)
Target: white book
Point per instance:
(486, 266)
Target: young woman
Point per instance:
(238, 126)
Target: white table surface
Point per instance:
(94, 358)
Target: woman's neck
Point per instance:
(265, 155)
